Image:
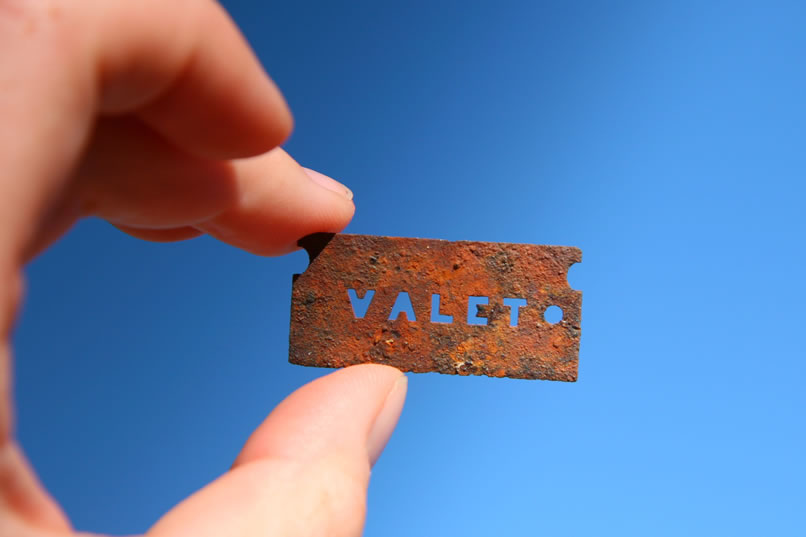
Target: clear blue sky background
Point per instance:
(667, 140)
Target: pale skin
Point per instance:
(156, 116)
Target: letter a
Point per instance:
(402, 304)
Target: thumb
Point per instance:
(305, 470)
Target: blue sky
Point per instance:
(666, 140)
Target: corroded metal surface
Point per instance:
(353, 303)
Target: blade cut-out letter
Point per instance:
(473, 303)
(515, 305)
(402, 305)
(436, 316)
(360, 305)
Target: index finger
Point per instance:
(181, 65)
(184, 67)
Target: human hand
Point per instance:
(156, 116)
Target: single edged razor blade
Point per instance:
(420, 305)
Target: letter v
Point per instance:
(360, 305)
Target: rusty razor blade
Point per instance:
(463, 308)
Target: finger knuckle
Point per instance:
(26, 16)
(45, 28)
(340, 498)
(14, 9)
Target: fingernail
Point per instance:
(387, 419)
(329, 183)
